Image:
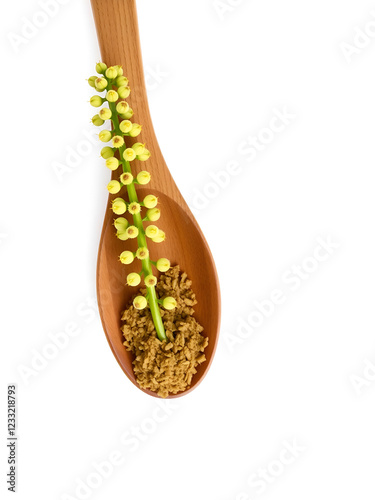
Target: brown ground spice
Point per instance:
(166, 367)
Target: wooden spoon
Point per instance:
(117, 29)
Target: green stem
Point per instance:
(146, 263)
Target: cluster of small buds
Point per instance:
(115, 110)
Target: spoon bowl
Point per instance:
(185, 245)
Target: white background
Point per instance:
(216, 76)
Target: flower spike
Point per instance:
(112, 80)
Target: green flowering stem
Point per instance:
(110, 79)
(141, 238)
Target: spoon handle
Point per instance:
(117, 29)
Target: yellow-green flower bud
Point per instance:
(133, 279)
(144, 157)
(112, 163)
(132, 232)
(126, 126)
(111, 72)
(113, 187)
(153, 214)
(101, 67)
(129, 154)
(136, 130)
(97, 121)
(126, 257)
(121, 81)
(139, 148)
(126, 178)
(105, 135)
(96, 101)
(150, 201)
(160, 237)
(119, 69)
(128, 114)
(163, 265)
(123, 91)
(119, 206)
(112, 96)
(121, 224)
(144, 177)
(134, 208)
(92, 80)
(142, 253)
(121, 235)
(140, 302)
(152, 231)
(150, 280)
(122, 107)
(105, 113)
(101, 84)
(107, 152)
(142, 153)
(117, 141)
(169, 303)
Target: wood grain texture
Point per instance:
(117, 29)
